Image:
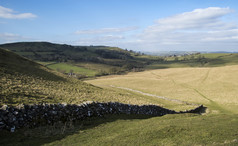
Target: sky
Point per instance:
(140, 25)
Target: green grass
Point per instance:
(76, 69)
(216, 88)
(185, 129)
(45, 63)
(27, 82)
(209, 60)
(168, 130)
(23, 81)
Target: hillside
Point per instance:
(82, 60)
(92, 61)
(45, 51)
(24, 81)
(215, 87)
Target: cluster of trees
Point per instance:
(113, 54)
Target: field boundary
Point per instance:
(36, 115)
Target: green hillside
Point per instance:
(91, 61)
(24, 81)
(115, 60)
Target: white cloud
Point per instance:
(106, 30)
(9, 36)
(198, 29)
(11, 14)
(198, 19)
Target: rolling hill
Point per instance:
(83, 60)
(92, 61)
(24, 81)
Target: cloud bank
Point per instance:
(11, 14)
(198, 29)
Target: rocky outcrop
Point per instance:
(42, 114)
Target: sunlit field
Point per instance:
(216, 87)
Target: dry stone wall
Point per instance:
(42, 114)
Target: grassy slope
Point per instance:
(168, 130)
(186, 129)
(214, 87)
(107, 60)
(23, 81)
(217, 127)
(68, 67)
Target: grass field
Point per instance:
(215, 87)
(186, 129)
(68, 67)
(206, 60)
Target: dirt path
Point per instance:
(212, 103)
(152, 95)
(206, 75)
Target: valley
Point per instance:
(179, 85)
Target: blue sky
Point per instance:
(141, 25)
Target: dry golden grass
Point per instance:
(214, 87)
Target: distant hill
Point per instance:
(171, 53)
(45, 51)
(83, 60)
(92, 61)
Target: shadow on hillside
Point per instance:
(47, 134)
(58, 131)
